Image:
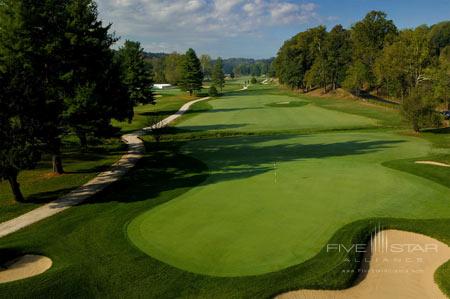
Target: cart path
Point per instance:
(135, 152)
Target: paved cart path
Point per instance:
(118, 170)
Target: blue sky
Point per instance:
(248, 28)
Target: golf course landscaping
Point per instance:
(240, 198)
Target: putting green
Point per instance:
(273, 201)
(246, 112)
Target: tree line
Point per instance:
(374, 56)
(168, 67)
(59, 75)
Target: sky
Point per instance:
(248, 28)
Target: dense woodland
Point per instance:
(374, 57)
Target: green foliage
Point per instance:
(402, 64)
(137, 72)
(253, 80)
(191, 73)
(213, 91)
(439, 37)
(298, 55)
(337, 55)
(420, 112)
(173, 68)
(218, 77)
(29, 92)
(356, 75)
(369, 36)
(94, 90)
(207, 67)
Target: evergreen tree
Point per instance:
(137, 72)
(218, 77)
(22, 92)
(191, 74)
(90, 67)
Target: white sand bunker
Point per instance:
(24, 267)
(402, 265)
(433, 163)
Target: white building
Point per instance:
(161, 86)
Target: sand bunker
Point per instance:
(24, 267)
(401, 265)
(433, 163)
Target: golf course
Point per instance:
(240, 198)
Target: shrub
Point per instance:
(254, 81)
(213, 91)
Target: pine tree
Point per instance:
(137, 72)
(191, 74)
(218, 77)
(22, 93)
(90, 64)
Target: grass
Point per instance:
(261, 186)
(41, 185)
(231, 113)
(211, 183)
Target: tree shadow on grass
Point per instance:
(169, 169)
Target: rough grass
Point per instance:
(41, 185)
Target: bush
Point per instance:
(420, 113)
(213, 91)
(254, 81)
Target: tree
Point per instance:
(20, 149)
(91, 70)
(173, 65)
(191, 73)
(420, 112)
(439, 37)
(213, 91)
(137, 72)
(33, 35)
(369, 36)
(297, 56)
(158, 68)
(440, 78)
(402, 65)
(355, 78)
(218, 77)
(337, 55)
(22, 93)
(207, 67)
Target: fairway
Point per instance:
(250, 111)
(271, 202)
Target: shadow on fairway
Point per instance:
(166, 169)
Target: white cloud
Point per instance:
(181, 21)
